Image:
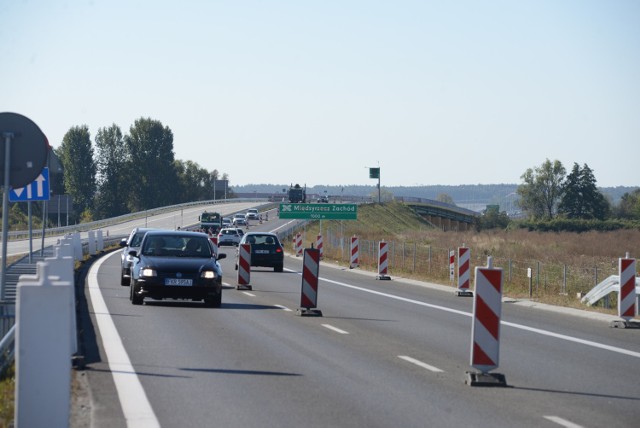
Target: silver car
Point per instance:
(129, 244)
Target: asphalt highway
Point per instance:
(383, 354)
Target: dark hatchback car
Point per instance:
(176, 265)
(266, 250)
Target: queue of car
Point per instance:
(179, 264)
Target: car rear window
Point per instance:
(262, 239)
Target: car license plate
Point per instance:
(178, 281)
(262, 251)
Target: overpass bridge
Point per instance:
(442, 215)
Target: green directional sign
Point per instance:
(319, 211)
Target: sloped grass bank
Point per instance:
(563, 265)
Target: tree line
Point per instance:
(120, 173)
(554, 200)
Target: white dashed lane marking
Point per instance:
(420, 364)
(336, 329)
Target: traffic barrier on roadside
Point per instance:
(77, 246)
(214, 244)
(383, 261)
(627, 304)
(92, 243)
(319, 245)
(464, 272)
(61, 266)
(309, 293)
(244, 267)
(43, 344)
(297, 245)
(452, 265)
(485, 329)
(355, 257)
(100, 241)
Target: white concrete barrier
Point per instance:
(43, 362)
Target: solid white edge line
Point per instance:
(510, 324)
(284, 308)
(336, 329)
(420, 364)
(249, 294)
(133, 400)
(562, 422)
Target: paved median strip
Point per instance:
(420, 364)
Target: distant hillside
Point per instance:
(470, 196)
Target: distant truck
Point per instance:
(297, 194)
(210, 221)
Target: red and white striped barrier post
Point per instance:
(309, 294)
(244, 267)
(383, 261)
(464, 272)
(485, 329)
(452, 265)
(214, 244)
(627, 307)
(298, 245)
(319, 245)
(354, 261)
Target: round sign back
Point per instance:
(29, 149)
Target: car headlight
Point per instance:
(207, 274)
(148, 272)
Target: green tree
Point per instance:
(153, 175)
(76, 155)
(581, 198)
(112, 173)
(195, 182)
(493, 218)
(542, 189)
(629, 206)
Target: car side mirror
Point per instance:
(123, 242)
(133, 253)
(221, 256)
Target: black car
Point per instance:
(176, 265)
(131, 243)
(266, 250)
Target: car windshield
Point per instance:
(137, 239)
(177, 246)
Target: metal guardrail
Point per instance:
(99, 224)
(7, 348)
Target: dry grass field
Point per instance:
(563, 265)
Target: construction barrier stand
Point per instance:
(354, 261)
(627, 296)
(244, 267)
(309, 292)
(452, 265)
(298, 245)
(319, 245)
(464, 272)
(485, 330)
(383, 261)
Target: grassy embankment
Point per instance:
(562, 264)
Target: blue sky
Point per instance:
(433, 92)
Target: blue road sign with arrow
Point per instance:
(37, 190)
